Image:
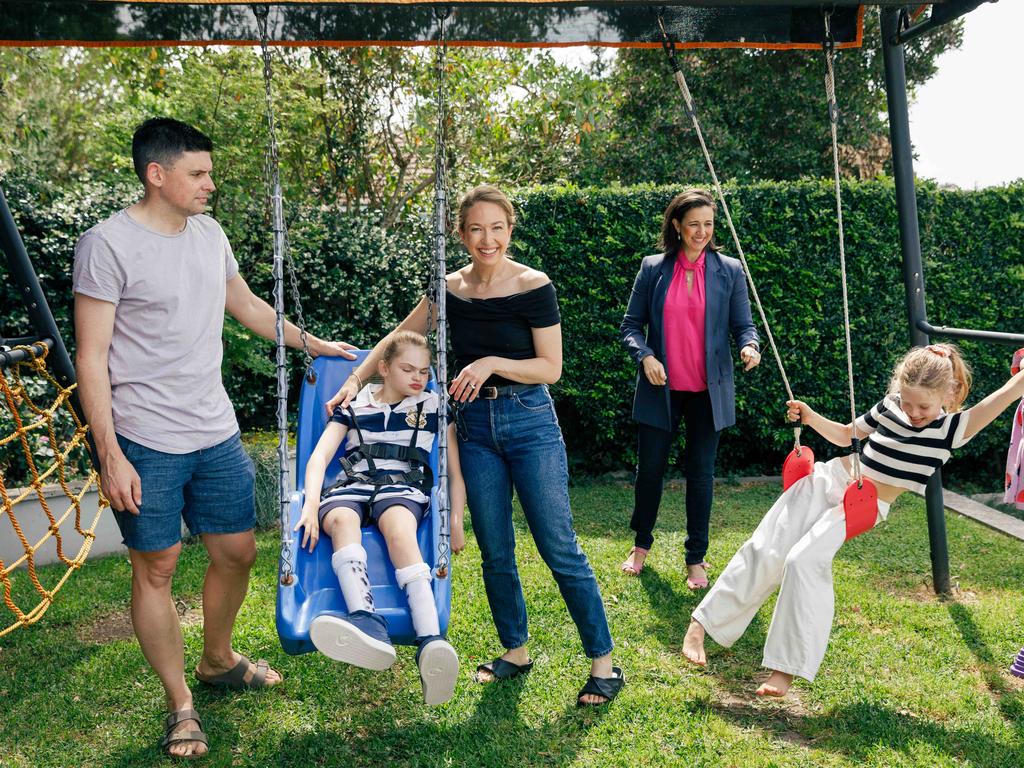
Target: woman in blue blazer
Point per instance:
(685, 304)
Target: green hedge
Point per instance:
(591, 241)
(358, 281)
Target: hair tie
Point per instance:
(938, 350)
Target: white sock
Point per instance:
(415, 580)
(349, 563)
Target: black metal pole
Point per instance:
(24, 276)
(910, 243)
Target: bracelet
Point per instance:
(356, 377)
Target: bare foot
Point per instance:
(693, 644)
(777, 684)
(599, 667)
(518, 656)
(634, 564)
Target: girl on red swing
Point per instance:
(908, 435)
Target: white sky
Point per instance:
(966, 121)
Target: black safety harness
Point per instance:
(419, 475)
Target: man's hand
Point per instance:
(319, 347)
(121, 484)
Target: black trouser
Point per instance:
(653, 447)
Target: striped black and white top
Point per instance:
(899, 454)
(383, 423)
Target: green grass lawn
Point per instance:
(909, 680)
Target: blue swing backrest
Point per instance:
(314, 588)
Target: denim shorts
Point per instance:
(212, 489)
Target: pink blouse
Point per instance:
(684, 327)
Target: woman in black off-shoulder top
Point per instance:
(507, 346)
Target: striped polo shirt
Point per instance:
(383, 423)
(899, 454)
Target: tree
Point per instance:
(762, 112)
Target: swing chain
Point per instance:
(436, 292)
(273, 173)
(287, 575)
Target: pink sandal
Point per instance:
(698, 582)
(629, 566)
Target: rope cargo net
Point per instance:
(53, 436)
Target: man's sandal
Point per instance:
(499, 669)
(235, 678)
(608, 687)
(629, 565)
(172, 721)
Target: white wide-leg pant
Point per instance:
(793, 546)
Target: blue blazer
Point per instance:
(727, 310)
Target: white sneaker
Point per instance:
(439, 670)
(342, 639)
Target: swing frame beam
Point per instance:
(894, 35)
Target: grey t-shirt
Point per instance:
(166, 348)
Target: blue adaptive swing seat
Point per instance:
(314, 588)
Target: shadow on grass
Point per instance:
(495, 734)
(671, 607)
(859, 730)
(993, 670)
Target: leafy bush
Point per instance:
(590, 241)
(262, 449)
(357, 281)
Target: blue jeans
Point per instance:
(514, 442)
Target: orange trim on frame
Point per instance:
(856, 43)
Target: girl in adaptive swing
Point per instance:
(909, 434)
(390, 429)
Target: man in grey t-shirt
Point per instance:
(151, 286)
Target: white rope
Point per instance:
(833, 119)
(691, 110)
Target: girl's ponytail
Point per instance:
(938, 367)
(961, 377)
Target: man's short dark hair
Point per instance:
(163, 140)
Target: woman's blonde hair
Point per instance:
(398, 340)
(484, 193)
(937, 367)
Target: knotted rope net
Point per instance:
(42, 448)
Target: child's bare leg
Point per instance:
(398, 526)
(777, 684)
(342, 525)
(693, 644)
